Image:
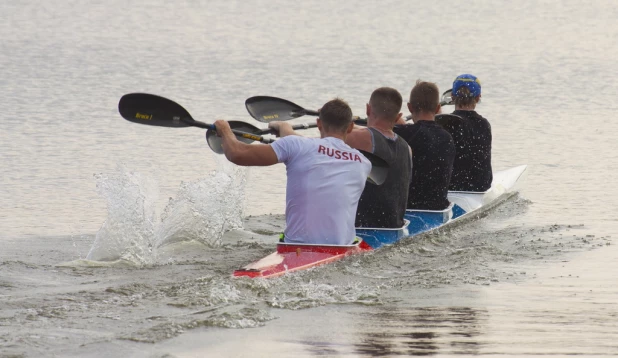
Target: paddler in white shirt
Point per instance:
(325, 176)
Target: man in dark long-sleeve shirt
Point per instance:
(433, 150)
(472, 166)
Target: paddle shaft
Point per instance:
(294, 127)
(236, 132)
(153, 110)
(358, 121)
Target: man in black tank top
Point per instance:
(383, 206)
(433, 150)
(472, 167)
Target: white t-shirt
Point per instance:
(325, 179)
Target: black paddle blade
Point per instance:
(267, 109)
(379, 168)
(447, 98)
(450, 122)
(153, 110)
(214, 141)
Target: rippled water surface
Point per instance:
(119, 240)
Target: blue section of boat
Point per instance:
(379, 237)
(420, 222)
(424, 220)
(457, 211)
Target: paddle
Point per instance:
(266, 109)
(153, 110)
(379, 168)
(447, 98)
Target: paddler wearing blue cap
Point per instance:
(472, 165)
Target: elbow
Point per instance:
(237, 155)
(233, 157)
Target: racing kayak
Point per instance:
(294, 257)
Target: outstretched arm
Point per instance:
(241, 153)
(282, 129)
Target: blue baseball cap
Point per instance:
(471, 82)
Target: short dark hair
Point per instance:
(424, 97)
(464, 97)
(336, 115)
(386, 102)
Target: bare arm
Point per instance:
(282, 129)
(401, 119)
(360, 139)
(241, 153)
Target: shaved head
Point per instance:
(386, 102)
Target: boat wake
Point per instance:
(200, 248)
(196, 290)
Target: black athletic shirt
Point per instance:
(383, 206)
(433, 152)
(472, 165)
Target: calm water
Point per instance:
(119, 240)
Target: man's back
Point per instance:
(325, 178)
(433, 152)
(383, 206)
(472, 166)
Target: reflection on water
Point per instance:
(422, 331)
(392, 331)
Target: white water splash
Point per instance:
(202, 211)
(205, 209)
(127, 234)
